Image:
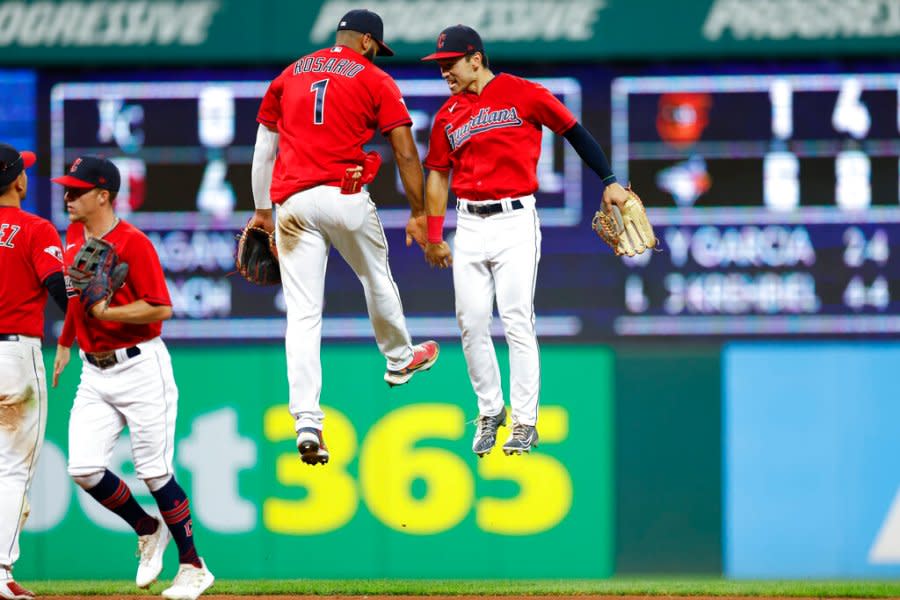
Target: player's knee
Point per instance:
(86, 480)
(156, 483)
(474, 323)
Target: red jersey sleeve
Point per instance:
(438, 157)
(46, 250)
(546, 109)
(270, 109)
(392, 112)
(145, 274)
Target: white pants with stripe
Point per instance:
(497, 256)
(139, 392)
(23, 418)
(309, 223)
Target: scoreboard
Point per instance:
(775, 196)
(184, 149)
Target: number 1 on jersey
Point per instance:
(318, 88)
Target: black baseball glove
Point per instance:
(257, 257)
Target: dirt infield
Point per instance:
(467, 597)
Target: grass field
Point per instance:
(617, 586)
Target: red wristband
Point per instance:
(435, 229)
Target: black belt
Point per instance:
(105, 360)
(9, 337)
(490, 209)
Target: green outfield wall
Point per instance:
(94, 32)
(668, 459)
(403, 495)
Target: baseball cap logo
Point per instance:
(441, 39)
(74, 166)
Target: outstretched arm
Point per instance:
(593, 156)
(407, 156)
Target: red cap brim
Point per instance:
(442, 55)
(74, 182)
(28, 158)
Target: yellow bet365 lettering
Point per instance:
(545, 486)
(416, 490)
(331, 499)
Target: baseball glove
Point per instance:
(96, 272)
(626, 231)
(257, 257)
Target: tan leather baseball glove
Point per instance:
(627, 231)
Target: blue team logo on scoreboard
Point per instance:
(812, 460)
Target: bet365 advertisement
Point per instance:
(403, 495)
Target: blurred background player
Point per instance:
(126, 379)
(318, 113)
(489, 134)
(31, 262)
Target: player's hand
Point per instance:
(98, 311)
(60, 361)
(614, 194)
(438, 255)
(262, 218)
(417, 230)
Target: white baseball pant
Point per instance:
(498, 256)
(23, 419)
(139, 392)
(309, 223)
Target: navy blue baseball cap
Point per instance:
(13, 162)
(365, 21)
(88, 172)
(455, 41)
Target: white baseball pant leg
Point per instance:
(309, 222)
(23, 419)
(498, 256)
(138, 391)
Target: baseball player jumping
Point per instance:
(126, 379)
(32, 265)
(488, 133)
(318, 113)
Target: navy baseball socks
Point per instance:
(193, 578)
(112, 493)
(176, 512)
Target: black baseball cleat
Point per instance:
(311, 446)
(521, 440)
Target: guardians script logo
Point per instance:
(485, 120)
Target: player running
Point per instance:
(32, 265)
(488, 133)
(318, 113)
(126, 379)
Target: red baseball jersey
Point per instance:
(30, 251)
(145, 281)
(326, 106)
(492, 140)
